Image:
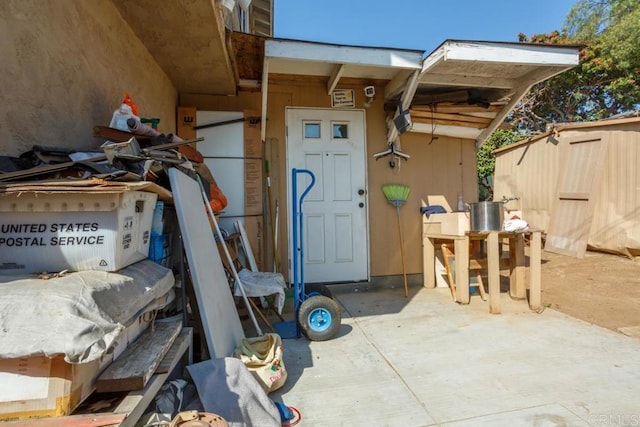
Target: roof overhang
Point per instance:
(396, 69)
(466, 88)
(337, 63)
(463, 89)
(188, 41)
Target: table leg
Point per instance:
(535, 262)
(428, 263)
(493, 273)
(462, 270)
(512, 267)
(517, 278)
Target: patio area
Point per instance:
(424, 360)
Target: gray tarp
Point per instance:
(227, 388)
(78, 315)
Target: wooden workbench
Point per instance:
(517, 264)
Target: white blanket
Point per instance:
(78, 315)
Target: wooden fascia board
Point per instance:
(432, 60)
(342, 54)
(522, 54)
(467, 80)
(335, 78)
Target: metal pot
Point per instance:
(486, 216)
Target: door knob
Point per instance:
(361, 205)
(361, 192)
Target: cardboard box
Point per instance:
(456, 223)
(450, 223)
(43, 387)
(39, 387)
(79, 230)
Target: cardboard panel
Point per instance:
(252, 142)
(186, 122)
(253, 188)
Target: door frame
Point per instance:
(288, 168)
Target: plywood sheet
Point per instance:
(221, 323)
(573, 209)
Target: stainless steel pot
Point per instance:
(486, 216)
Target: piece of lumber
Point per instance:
(448, 116)
(457, 108)
(448, 122)
(135, 402)
(84, 420)
(493, 258)
(136, 365)
(116, 135)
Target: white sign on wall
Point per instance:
(343, 98)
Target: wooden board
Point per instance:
(139, 361)
(135, 403)
(572, 213)
(220, 321)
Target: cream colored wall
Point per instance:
(532, 172)
(65, 67)
(616, 219)
(443, 166)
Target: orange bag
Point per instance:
(217, 199)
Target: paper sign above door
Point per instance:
(341, 98)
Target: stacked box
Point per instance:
(75, 231)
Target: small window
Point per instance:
(340, 131)
(312, 130)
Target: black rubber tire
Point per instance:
(319, 318)
(315, 289)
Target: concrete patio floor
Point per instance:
(424, 360)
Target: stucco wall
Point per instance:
(65, 67)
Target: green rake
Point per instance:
(397, 194)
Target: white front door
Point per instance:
(331, 144)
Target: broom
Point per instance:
(396, 194)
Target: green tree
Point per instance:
(487, 161)
(607, 81)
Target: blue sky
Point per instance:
(415, 24)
